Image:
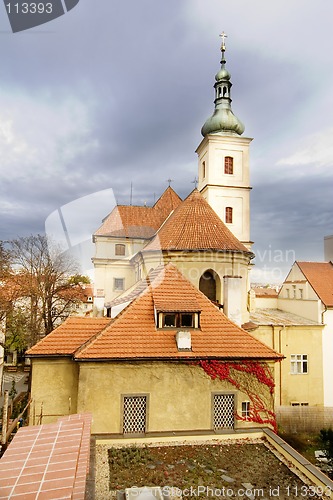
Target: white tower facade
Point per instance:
(223, 161)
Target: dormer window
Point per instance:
(169, 320)
(178, 320)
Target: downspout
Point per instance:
(280, 378)
(322, 315)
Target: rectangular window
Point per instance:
(118, 284)
(298, 363)
(228, 215)
(134, 414)
(294, 291)
(203, 169)
(287, 293)
(119, 249)
(246, 409)
(169, 320)
(301, 293)
(177, 320)
(228, 165)
(186, 320)
(223, 411)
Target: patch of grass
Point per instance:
(304, 443)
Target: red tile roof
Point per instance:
(261, 291)
(195, 226)
(47, 461)
(133, 333)
(320, 277)
(137, 221)
(69, 336)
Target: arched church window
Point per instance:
(228, 215)
(229, 165)
(207, 285)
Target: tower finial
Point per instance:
(223, 36)
(223, 121)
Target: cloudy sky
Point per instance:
(116, 92)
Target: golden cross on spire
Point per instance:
(223, 36)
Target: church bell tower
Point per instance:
(223, 155)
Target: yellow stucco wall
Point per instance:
(53, 388)
(179, 396)
(303, 387)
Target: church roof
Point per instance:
(320, 277)
(133, 334)
(194, 225)
(139, 221)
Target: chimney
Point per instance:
(232, 298)
(183, 340)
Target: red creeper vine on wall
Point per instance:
(253, 379)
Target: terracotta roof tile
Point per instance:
(195, 226)
(137, 221)
(134, 335)
(69, 336)
(320, 277)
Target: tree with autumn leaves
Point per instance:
(40, 288)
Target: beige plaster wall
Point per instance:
(54, 388)
(179, 396)
(307, 387)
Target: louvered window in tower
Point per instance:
(229, 165)
(228, 215)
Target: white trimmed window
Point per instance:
(298, 363)
(246, 409)
(118, 284)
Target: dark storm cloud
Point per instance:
(116, 93)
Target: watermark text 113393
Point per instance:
(29, 8)
(26, 14)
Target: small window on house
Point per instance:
(294, 291)
(287, 293)
(186, 320)
(246, 409)
(229, 165)
(118, 284)
(169, 320)
(119, 249)
(301, 293)
(298, 363)
(304, 404)
(203, 169)
(294, 403)
(134, 413)
(228, 215)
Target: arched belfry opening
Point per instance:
(208, 284)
